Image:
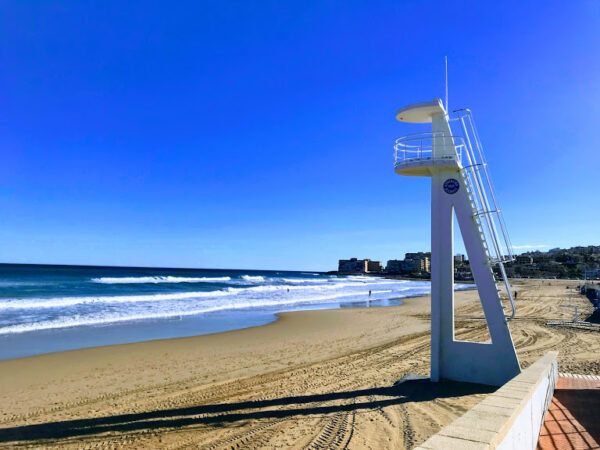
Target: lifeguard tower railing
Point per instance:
(463, 148)
(419, 147)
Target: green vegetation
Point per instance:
(572, 263)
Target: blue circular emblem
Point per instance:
(451, 186)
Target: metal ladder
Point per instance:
(486, 213)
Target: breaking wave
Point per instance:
(129, 300)
(157, 279)
(253, 279)
(65, 322)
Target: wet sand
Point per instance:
(312, 379)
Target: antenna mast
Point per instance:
(446, 64)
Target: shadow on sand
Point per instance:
(407, 390)
(594, 317)
(583, 405)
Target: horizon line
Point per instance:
(91, 266)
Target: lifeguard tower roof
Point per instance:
(420, 112)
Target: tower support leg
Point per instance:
(492, 363)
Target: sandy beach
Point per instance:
(347, 378)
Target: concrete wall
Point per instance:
(510, 418)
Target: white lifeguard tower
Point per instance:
(460, 184)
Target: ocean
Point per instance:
(54, 308)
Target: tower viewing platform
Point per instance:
(422, 154)
(419, 154)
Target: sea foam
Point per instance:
(159, 279)
(253, 278)
(72, 321)
(154, 297)
(61, 302)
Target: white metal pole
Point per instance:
(446, 65)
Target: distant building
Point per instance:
(417, 255)
(398, 266)
(524, 259)
(420, 261)
(374, 266)
(421, 264)
(352, 265)
(355, 265)
(459, 259)
(412, 263)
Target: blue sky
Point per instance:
(260, 134)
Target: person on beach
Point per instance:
(369, 292)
